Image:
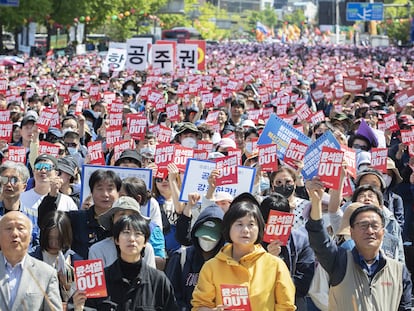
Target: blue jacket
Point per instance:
(184, 277)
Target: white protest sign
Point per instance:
(115, 60)
(196, 179)
(137, 53)
(162, 56)
(187, 56)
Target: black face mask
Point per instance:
(285, 190)
(226, 153)
(318, 135)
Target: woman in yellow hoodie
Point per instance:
(243, 276)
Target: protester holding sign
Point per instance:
(297, 253)
(132, 284)
(243, 274)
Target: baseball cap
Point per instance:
(222, 196)
(123, 203)
(30, 116)
(46, 157)
(66, 165)
(129, 154)
(210, 230)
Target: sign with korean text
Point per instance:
(295, 152)
(196, 179)
(6, 130)
(350, 160)
(313, 154)
(267, 157)
(390, 121)
(121, 146)
(278, 132)
(162, 56)
(137, 54)
(115, 60)
(95, 153)
(137, 125)
(235, 297)
(113, 134)
(278, 227)
(48, 148)
(379, 159)
(90, 277)
(17, 154)
(227, 167)
(45, 117)
(201, 52)
(181, 155)
(330, 167)
(187, 56)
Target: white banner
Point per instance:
(162, 56)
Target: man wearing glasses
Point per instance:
(47, 185)
(364, 278)
(13, 179)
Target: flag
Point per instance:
(261, 32)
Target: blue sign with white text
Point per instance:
(361, 11)
(9, 2)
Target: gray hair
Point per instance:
(20, 168)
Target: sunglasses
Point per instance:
(13, 180)
(160, 179)
(44, 166)
(62, 151)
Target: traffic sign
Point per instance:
(361, 11)
(9, 3)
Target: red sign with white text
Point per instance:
(90, 277)
(181, 155)
(278, 227)
(6, 130)
(48, 148)
(235, 297)
(295, 151)
(379, 159)
(95, 153)
(330, 167)
(137, 126)
(267, 157)
(228, 173)
(17, 154)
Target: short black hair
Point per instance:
(363, 209)
(239, 210)
(276, 202)
(133, 222)
(134, 187)
(101, 175)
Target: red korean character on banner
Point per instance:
(228, 173)
(267, 157)
(95, 153)
(90, 277)
(278, 227)
(235, 297)
(181, 156)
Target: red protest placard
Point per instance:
(181, 155)
(90, 277)
(205, 145)
(295, 151)
(44, 120)
(164, 134)
(267, 157)
(17, 154)
(115, 119)
(278, 226)
(121, 146)
(390, 121)
(379, 159)
(303, 112)
(200, 154)
(235, 297)
(95, 153)
(113, 134)
(3, 86)
(347, 189)
(172, 112)
(236, 152)
(228, 173)
(330, 166)
(137, 126)
(48, 148)
(163, 155)
(4, 115)
(407, 136)
(6, 129)
(350, 160)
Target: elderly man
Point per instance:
(13, 179)
(364, 277)
(26, 283)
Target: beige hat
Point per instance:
(123, 203)
(391, 166)
(344, 228)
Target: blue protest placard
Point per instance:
(196, 179)
(313, 154)
(280, 133)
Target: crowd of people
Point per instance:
(347, 250)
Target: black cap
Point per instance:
(67, 165)
(129, 154)
(45, 157)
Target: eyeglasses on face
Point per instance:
(128, 233)
(44, 166)
(13, 180)
(364, 225)
(159, 180)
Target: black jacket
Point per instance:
(151, 290)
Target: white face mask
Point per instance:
(387, 179)
(206, 245)
(189, 142)
(97, 114)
